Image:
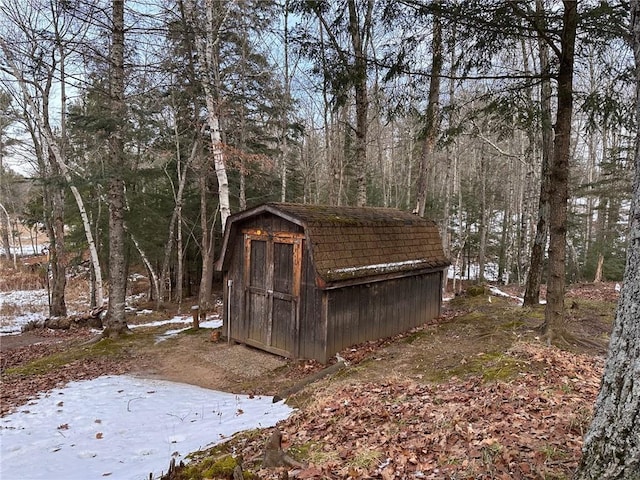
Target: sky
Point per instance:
(122, 427)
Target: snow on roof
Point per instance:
(380, 267)
(355, 242)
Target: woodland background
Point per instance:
(447, 109)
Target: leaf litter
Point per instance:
(528, 427)
(398, 425)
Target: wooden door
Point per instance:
(272, 273)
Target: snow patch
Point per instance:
(32, 304)
(123, 427)
(172, 333)
(499, 293)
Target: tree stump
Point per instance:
(195, 312)
(274, 456)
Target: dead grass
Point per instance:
(8, 309)
(24, 278)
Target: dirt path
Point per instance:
(197, 360)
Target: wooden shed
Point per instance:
(306, 281)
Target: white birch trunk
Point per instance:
(207, 68)
(147, 263)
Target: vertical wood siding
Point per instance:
(313, 325)
(381, 309)
(311, 322)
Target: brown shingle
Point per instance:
(352, 242)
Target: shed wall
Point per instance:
(313, 325)
(381, 309)
(233, 299)
(328, 320)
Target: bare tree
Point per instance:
(33, 74)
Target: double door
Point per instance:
(272, 272)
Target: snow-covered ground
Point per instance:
(19, 307)
(214, 322)
(23, 306)
(26, 249)
(499, 293)
(119, 427)
(122, 427)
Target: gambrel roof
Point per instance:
(355, 244)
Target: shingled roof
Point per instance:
(349, 243)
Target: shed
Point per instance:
(306, 281)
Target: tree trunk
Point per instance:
(180, 261)
(597, 276)
(4, 219)
(526, 187)
(206, 250)
(153, 276)
(115, 322)
(330, 157)
(284, 143)
(559, 179)
(211, 40)
(536, 263)
(359, 44)
(57, 260)
(611, 448)
(431, 127)
(505, 240)
(208, 67)
(176, 216)
(5, 228)
(602, 222)
(218, 160)
(482, 228)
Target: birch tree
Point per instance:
(32, 74)
(7, 117)
(534, 277)
(207, 41)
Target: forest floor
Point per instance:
(475, 394)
